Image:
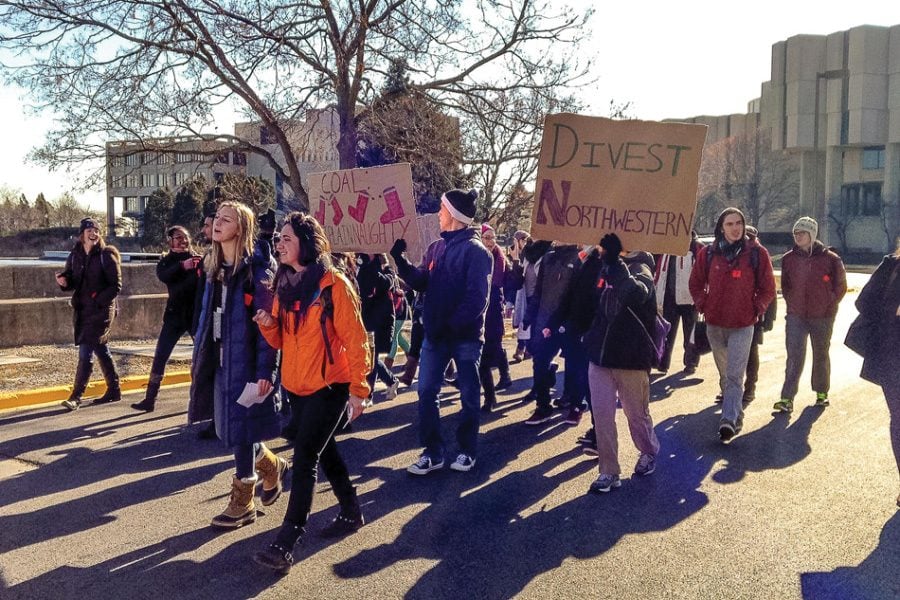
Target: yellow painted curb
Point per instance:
(95, 388)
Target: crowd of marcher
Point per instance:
(282, 325)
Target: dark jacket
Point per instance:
(558, 269)
(878, 302)
(96, 279)
(455, 275)
(246, 357)
(626, 309)
(580, 303)
(733, 294)
(813, 284)
(375, 294)
(182, 286)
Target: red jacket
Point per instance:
(813, 284)
(731, 294)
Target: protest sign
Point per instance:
(365, 210)
(637, 179)
(429, 230)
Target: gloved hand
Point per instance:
(398, 248)
(612, 248)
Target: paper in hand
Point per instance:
(250, 395)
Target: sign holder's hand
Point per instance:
(263, 319)
(355, 407)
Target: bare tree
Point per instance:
(743, 171)
(143, 70)
(842, 218)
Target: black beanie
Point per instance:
(267, 221)
(461, 204)
(86, 223)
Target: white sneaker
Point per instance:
(391, 391)
(463, 463)
(424, 466)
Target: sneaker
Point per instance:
(689, 370)
(574, 416)
(646, 464)
(590, 449)
(391, 391)
(72, 404)
(587, 437)
(463, 463)
(784, 405)
(504, 383)
(719, 398)
(563, 402)
(747, 399)
(605, 483)
(822, 399)
(424, 465)
(726, 431)
(540, 415)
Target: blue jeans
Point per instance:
(245, 460)
(432, 363)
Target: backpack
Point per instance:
(658, 336)
(327, 304)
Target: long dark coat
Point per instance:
(96, 279)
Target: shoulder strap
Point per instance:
(325, 301)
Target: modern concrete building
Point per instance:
(136, 168)
(833, 101)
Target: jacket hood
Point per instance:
(640, 257)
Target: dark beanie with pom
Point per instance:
(461, 204)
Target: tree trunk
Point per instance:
(347, 139)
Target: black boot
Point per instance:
(503, 367)
(348, 521)
(279, 555)
(149, 401)
(113, 392)
(82, 376)
(487, 384)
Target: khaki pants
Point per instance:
(632, 389)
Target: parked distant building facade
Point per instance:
(136, 168)
(833, 101)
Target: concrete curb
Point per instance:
(48, 395)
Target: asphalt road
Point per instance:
(107, 503)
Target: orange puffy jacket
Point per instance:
(303, 356)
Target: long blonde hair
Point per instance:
(246, 234)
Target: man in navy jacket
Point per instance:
(455, 277)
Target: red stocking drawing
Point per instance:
(338, 213)
(394, 210)
(320, 214)
(358, 212)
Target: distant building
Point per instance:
(834, 102)
(136, 168)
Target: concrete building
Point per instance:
(136, 168)
(833, 101)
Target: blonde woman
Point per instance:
(233, 370)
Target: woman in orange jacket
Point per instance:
(317, 325)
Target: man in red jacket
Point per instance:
(732, 284)
(813, 282)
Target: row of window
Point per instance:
(169, 158)
(161, 180)
(873, 158)
(861, 199)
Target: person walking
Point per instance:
(879, 308)
(402, 297)
(317, 324)
(94, 274)
(673, 299)
(233, 369)
(733, 291)
(455, 275)
(179, 269)
(813, 283)
(494, 355)
(620, 356)
(375, 279)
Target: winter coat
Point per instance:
(375, 286)
(733, 295)
(219, 372)
(455, 275)
(182, 286)
(580, 304)
(879, 302)
(96, 279)
(813, 284)
(498, 275)
(558, 268)
(305, 365)
(682, 266)
(626, 309)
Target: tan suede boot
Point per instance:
(271, 470)
(240, 510)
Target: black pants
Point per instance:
(752, 370)
(316, 418)
(687, 314)
(416, 337)
(168, 337)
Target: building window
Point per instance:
(164, 158)
(132, 160)
(148, 158)
(873, 158)
(239, 159)
(133, 204)
(182, 157)
(198, 157)
(222, 158)
(131, 181)
(148, 179)
(861, 199)
(117, 182)
(181, 178)
(115, 160)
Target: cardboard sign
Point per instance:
(429, 230)
(365, 210)
(637, 179)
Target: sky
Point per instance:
(668, 59)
